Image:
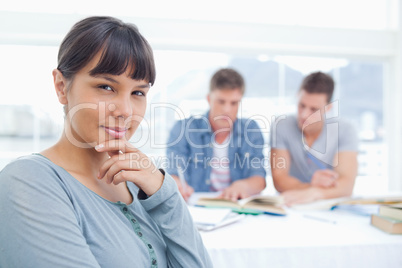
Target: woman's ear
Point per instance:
(60, 84)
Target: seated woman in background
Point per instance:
(93, 199)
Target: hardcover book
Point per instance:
(386, 224)
(392, 211)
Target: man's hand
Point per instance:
(185, 191)
(325, 178)
(237, 190)
(293, 197)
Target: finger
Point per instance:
(324, 178)
(323, 173)
(294, 202)
(330, 173)
(243, 195)
(113, 153)
(125, 175)
(181, 189)
(292, 199)
(288, 201)
(190, 190)
(118, 177)
(222, 194)
(187, 194)
(136, 161)
(288, 198)
(115, 146)
(182, 192)
(234, 196)
(141, 179)
(327, 183)
(330, 183)
(105, 166)
(114, 169)
(226, 194)
(142, 162)
(319, 172)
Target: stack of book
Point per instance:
(389, 218)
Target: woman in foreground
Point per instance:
(93, 199)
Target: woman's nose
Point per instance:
(121, 107)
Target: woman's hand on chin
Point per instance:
(127, 163)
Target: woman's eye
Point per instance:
(106, 87)
(138, 93)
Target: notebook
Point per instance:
(208, 219)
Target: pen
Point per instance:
(182, 179)
(317, 162)
(318, 219)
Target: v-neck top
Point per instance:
(49, 219)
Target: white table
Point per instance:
(298, 241)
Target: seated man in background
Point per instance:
(218, 151)
(313, 155)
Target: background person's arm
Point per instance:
(185, 190)
(244, 188)
(177, 153)
(347, 172)
(280, 166)
(254, 172)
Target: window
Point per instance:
(32, 118)
(261, 38)
(271, 90)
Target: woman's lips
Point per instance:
(116, 133)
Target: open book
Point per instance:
(252, 205)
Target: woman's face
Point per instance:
(103, 107)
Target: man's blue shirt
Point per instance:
(190, 147)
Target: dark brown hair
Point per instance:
(227, 78)
(121, 45)
(319, 82)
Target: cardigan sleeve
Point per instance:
(183, 242)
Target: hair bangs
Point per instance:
(124, 50)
